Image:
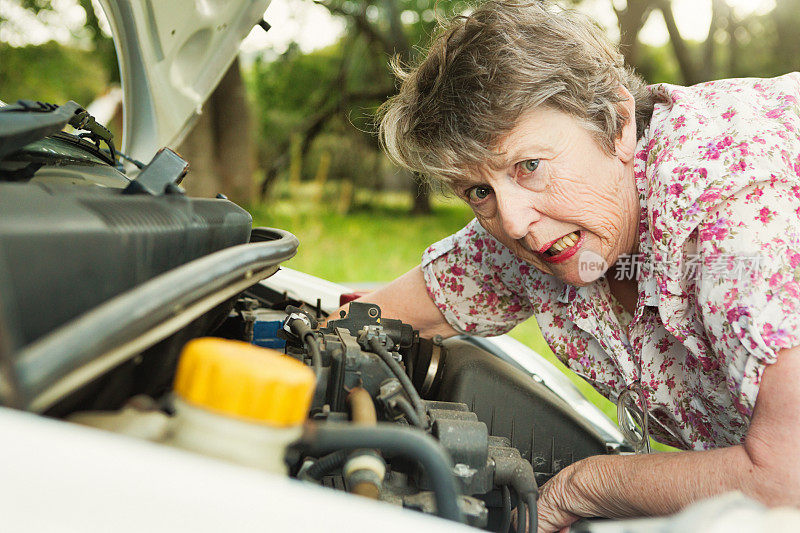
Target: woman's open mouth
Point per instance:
(562, 248)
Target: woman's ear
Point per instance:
(625, 143)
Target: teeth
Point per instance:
(565, 242)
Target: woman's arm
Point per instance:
(766, 467)
(407, 299)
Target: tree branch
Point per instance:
(630, 21)
(682, 54)
(314, 126)
(362, 24)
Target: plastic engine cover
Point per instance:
(541, 425)
(64, 250)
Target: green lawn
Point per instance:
(376, 242)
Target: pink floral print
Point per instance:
(718, 176)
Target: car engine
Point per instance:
(443, 427)
(361, 362)
(385, 399)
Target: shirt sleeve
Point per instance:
(476, 282)
(749, 291)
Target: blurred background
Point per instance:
(289, 131)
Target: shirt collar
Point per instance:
(647, 285)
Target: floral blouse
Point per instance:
(718, 268)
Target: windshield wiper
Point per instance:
(28, 121)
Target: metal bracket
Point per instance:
(162, 175)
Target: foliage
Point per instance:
(336, 91)
(352, 158)
(292, 81)
(56, 73)
(50, 72)
(766, 45)
(657, 65)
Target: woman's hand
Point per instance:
(569, 495)
(553, 501)
(764, 467)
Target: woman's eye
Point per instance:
(477, 194)
(529, 165)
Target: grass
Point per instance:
(379, 240)
(376, 242)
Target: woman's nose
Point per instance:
(516, 212)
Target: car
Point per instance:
(111, 279)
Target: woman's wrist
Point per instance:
(588, 486)
(592, 488)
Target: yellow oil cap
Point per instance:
(239, 379)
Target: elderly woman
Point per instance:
(654, 233)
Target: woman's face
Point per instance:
(559, 201)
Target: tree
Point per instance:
(785, 18)
(679, 46)
(221, 145)
(630, 20)
(757, 45)
(377, 30)
(304, 95)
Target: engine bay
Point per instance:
(438, 426)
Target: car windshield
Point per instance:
(64, 147)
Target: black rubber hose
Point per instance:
(409, 412)
(405, 381)
(306, 334)
(513, 470)
(505, 524)
(533, 511)
(522, 525)
(326, 464)
(392, 440)
(312, 345)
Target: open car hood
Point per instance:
(171, 57)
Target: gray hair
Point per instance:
(484, 70)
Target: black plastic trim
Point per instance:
(124, 318)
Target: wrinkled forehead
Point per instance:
(479, 171)
(531, 134)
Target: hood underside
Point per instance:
(172, 54)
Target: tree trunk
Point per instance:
(786, 17)
(733, 45)
(420, 191)
(235, 160)
(630, 21)
(709, 47)
(198, 149)
(679, 47)
(220, 148)
(422, 198)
